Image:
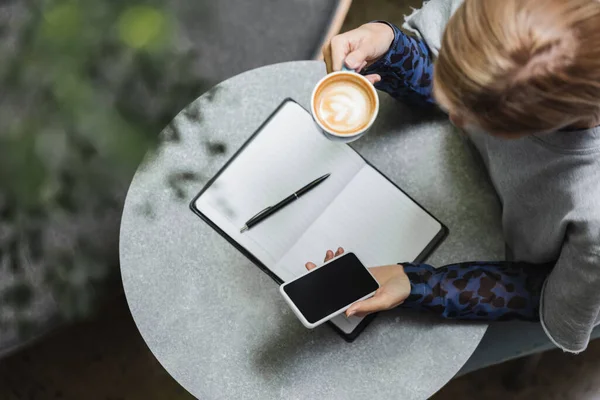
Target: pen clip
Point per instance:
(259, 214)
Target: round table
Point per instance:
(218, 324)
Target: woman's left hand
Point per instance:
(394, 287)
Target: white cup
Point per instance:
(342, 137)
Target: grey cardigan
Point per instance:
(549, 186)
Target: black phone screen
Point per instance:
(331, 287)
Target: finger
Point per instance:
(339, 252)
(373, 78)
(339, 49)
(357, 58)
(368, 306)
(328, 255)
(310, 265)
(327, 56)
(364, 64)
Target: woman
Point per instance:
(522, 77)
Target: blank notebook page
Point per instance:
(371, 218)
(288, 153)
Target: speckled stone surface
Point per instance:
(218, 324)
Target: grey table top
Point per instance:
(218, 324)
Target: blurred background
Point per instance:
(85, 89)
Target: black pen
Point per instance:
(267, 212)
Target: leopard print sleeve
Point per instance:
(406, 70)
(478, 290)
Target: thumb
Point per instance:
(373, 304)
(373, 78)
(357, 58)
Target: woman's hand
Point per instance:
(358, 48)
(394, 288)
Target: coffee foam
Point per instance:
(343, 104)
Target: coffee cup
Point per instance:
(344, 105)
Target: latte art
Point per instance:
(344, 104)
(344, 108)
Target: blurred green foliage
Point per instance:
(85, 88)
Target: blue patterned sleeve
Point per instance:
(406, 70)
(478, 290)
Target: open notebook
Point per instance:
(356, 207)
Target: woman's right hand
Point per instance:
(358, 48)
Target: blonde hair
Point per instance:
(521, 66)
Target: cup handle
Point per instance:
(344, 68)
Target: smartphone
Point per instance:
(329, 290)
